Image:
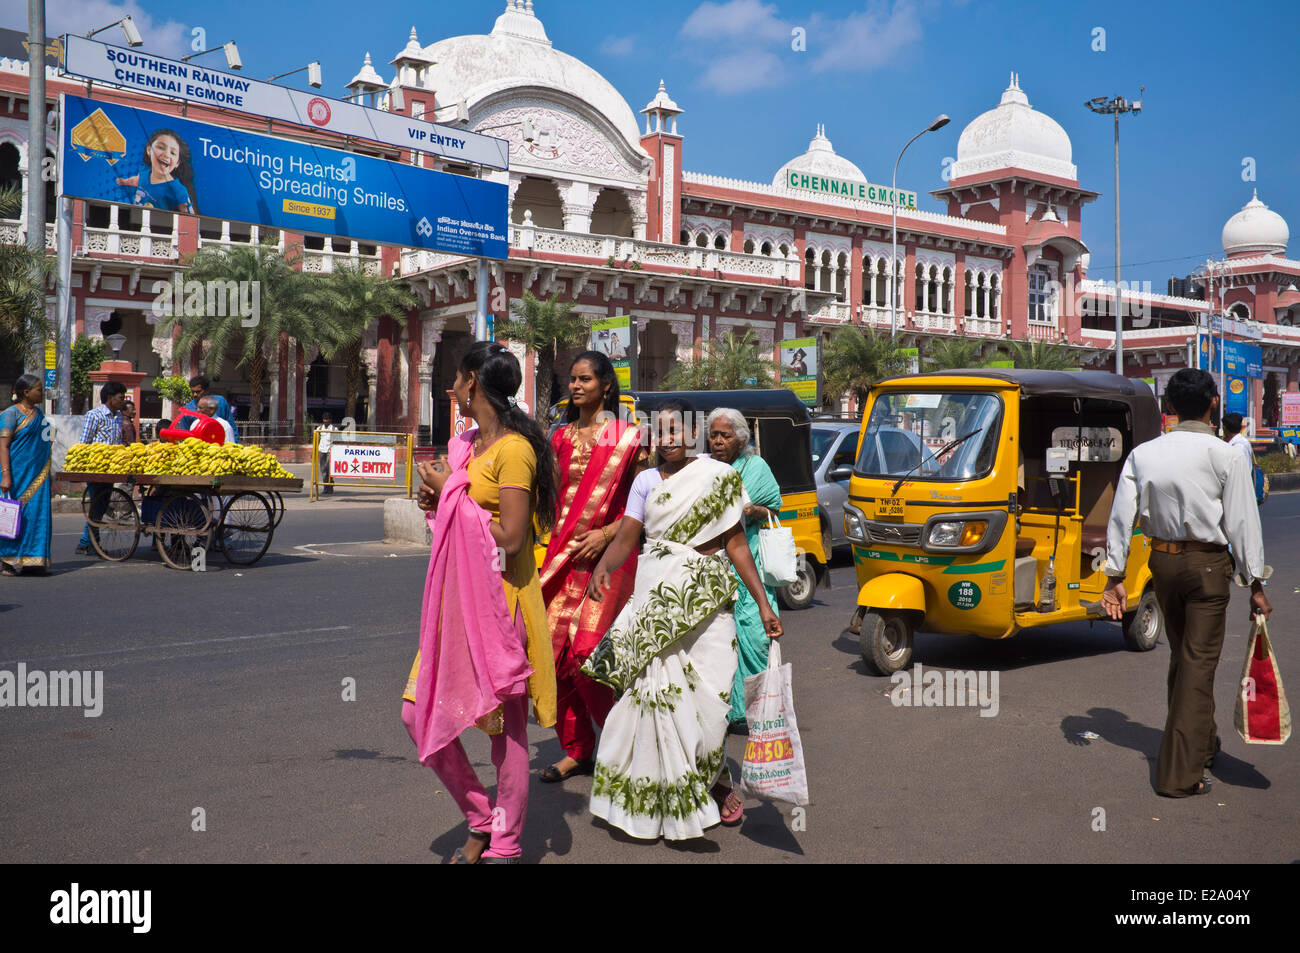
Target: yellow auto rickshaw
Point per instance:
(979, 504)
(781, 429)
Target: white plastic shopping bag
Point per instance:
(773, 767)
(778, 557)
(10, 518)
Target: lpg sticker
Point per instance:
(964, 594)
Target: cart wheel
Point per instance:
(1144, 625)
(245, 528)
(886, 641)
(184, 522)
(799, 594)
(277, 507)
(85, 500)
(116, 533)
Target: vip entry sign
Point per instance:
(363, 462)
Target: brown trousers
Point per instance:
(1193, 590)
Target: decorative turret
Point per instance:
(661, 113)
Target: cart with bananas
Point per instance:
(192, 496)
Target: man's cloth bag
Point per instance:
(1263, 716)
(773, 768)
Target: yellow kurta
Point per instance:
(510, 462)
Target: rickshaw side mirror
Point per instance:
(840, 473)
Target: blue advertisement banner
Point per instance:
(134, 157)
(1239, 358)
(1237, 400)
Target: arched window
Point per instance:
(1042, 298)
(685, 237)
(766, 249)
(749, 246)
(720, 242)
(1240, 311)
(701, 240)
(612, 214)
(542, 198)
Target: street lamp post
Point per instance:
(1115, 106)
(938, 123)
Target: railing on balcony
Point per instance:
(13, 232)
(833, 312)
(684, 257)
(326, 261)
(1042, 331)
(931, 321)
(985, 327)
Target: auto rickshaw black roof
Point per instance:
(777, 402)
(1136, 394)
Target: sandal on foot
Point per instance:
(551, 774)
(730, 811)
(482, 837)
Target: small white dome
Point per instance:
(821, 160)
(1255, 230)
(1014, 135)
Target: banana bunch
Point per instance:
(190, 457)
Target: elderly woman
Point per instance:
(729, 443)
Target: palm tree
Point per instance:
(353, 301)
(23, 274)
(943, 354)
(546, 327)
(730, 363)
(281, 292)
(854, 360)
(1043, 355)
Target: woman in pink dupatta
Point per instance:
(484, 643)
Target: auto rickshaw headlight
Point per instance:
(855, 527)
(973, 532)
(945, 534)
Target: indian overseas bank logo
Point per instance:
(318, 111)
(423, 227)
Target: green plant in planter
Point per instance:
(174, 388)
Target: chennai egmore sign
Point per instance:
(135, 157)
(848, 189)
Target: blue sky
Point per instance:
(1221, 87)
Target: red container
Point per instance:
(204, 427)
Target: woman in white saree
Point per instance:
(671, 653)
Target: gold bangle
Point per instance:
(605, 532)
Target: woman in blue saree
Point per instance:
(25, 451)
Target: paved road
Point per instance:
(224, 692)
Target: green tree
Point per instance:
(353, 301)
(87, 354)
(282, 309)
(1043, 355)
(23, 274)
(546, 327)
(854, 360)
(729, 363)
(943, 354)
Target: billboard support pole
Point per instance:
(63, 307)
(35, 158)
(480, 316)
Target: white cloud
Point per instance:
(745, 71)
(867, 39)
(166, 38)
(744, 45)
(618, 45)
(749, 20)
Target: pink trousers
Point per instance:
(503, 818)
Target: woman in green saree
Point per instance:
(671, 653)
(729, 443)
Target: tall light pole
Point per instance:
(1115, 106)
(938, 123)
(36, 155)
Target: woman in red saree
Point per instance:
(598, 455)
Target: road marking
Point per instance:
(313, 550)
(178, 645)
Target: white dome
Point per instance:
(1014, 135)
(1255, 230)
(518, 53)
(820, 160)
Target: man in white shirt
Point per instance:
(1192, 496)
(1232, 433)
(323, 444)
(208, 405)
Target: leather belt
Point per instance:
(1176, 547)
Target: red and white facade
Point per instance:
(605, 214)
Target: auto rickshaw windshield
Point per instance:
(931, 435)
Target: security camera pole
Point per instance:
(1115, 106)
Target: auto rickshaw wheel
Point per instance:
(799, 594)
(1144, 625)
(886, 641)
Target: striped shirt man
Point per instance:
(102, 426)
